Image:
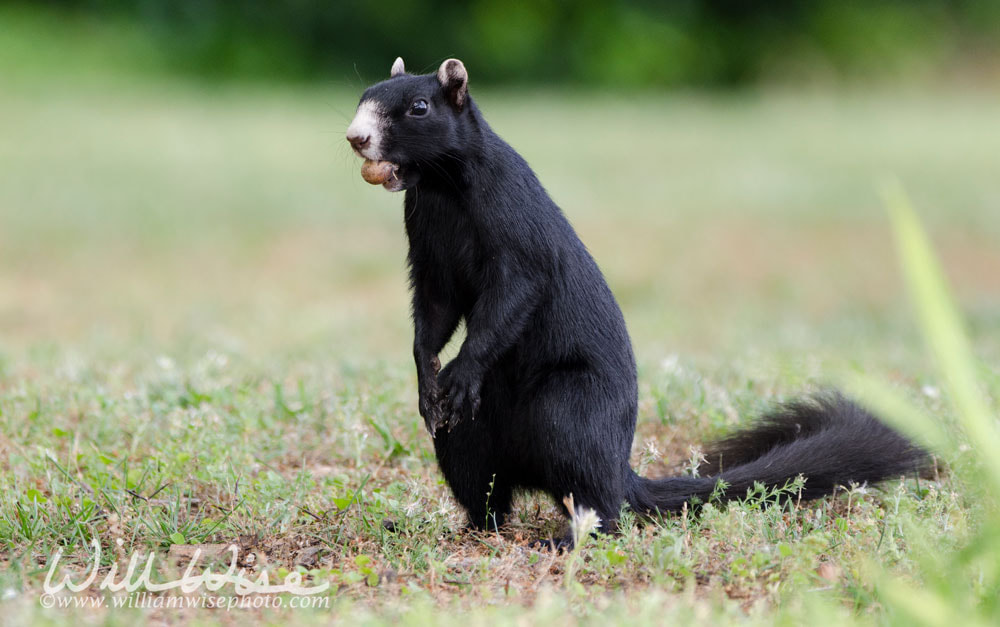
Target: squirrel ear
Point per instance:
(455, 81)
(397, 67)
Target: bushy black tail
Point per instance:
(829, 440)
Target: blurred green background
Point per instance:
(617, 43)
(175, 173)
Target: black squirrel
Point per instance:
(543, 394)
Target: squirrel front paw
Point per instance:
(459, 389)
(431, 408)
(429, 396)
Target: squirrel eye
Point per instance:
(419, 107)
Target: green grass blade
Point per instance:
(943, 330)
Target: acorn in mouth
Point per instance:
(379, 172)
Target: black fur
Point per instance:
(542, 394)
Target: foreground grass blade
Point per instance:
(943, 331)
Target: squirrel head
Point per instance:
(415, 121)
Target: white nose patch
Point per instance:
(370, 121)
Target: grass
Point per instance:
(205, 339)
